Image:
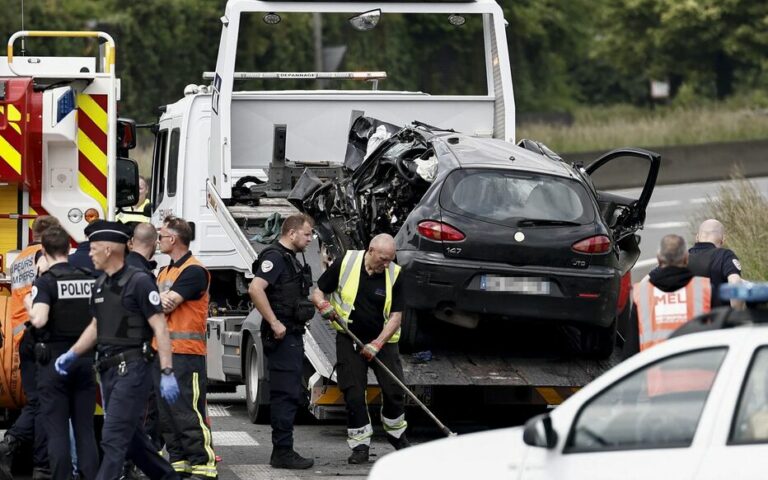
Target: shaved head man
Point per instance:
(708, 258)
(142, 247)
(366, 299)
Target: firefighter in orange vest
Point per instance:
(667, 298)
(183, 289)
(28, 427)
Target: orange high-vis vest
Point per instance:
(660, 313)
(23, 274)
(187, 322)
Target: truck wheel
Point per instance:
(409, 330)
(345, 241)
(255, 386)
(598, 342)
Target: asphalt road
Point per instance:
(670, 211)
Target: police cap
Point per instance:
(104, 231)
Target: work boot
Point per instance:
(289, 459)
(8, 446)
(359, 455)
(399, 443)
(41, 473)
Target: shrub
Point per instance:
(743, 210)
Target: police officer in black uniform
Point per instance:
(126, 311)
(708, 258)
(59, 310)
(279, 292)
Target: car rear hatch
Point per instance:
(519, 218)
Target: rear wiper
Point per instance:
(533, 222)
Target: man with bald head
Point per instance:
(667, 297)
(708, 258)
(366, 296)
(142, 247)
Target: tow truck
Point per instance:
(228, 153)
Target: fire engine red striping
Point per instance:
(97, 135)
(101, 100)
(11, 142)
(92, 173)
(92, 151)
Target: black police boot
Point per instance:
(8, 446)
(289, 459)
(359, 455)
(399, 443)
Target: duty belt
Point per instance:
(103, 364)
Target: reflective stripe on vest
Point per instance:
(133, 214)
(660, 313)
(343, 298)
(187, 322)
(23, 275)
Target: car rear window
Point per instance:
(502, 196)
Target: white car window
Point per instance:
(657, 406)
(750, 424)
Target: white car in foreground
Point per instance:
(694, 407)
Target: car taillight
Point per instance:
(596, 244)
(438, 231)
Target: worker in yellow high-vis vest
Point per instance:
(366, 295)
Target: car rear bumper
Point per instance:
(434, 282)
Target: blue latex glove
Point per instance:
(65, 361)
(169, 388)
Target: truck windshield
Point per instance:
(425, 53)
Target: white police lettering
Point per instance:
(154, 297)
(23, 272)
(69, 289)
(266, 266)
(737, 264)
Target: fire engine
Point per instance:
(62, 153)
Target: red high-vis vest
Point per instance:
(660, 313)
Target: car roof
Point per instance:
(473, 152)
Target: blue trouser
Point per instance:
(29, 426)
(125, 398)
(63, 397)
(285, 363)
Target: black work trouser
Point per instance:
(183, 424)
(122, 437)
(63, 397)
(29, 426)
(352, 375)
(285, 363)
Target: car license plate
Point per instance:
(527, 285)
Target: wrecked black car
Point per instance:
(486, 229)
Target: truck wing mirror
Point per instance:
(538, 432)
(126, 135)
(127, 183)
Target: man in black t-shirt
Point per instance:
(708, 258)
(367, 297)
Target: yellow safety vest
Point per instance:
(133, 214)
(343, 298)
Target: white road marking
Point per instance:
(664, 203)
(233, 439)
(266, 472)
(703, 199)
(649, 262)
(665, 225)
(218, 411)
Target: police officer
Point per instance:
(708, 258)
(28, 427)
(367, 296)
(279, 292)
(126, 311)
(184, 295)
(141, 248)
(59, 310)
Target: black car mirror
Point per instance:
(127, 183)
(538, 432)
